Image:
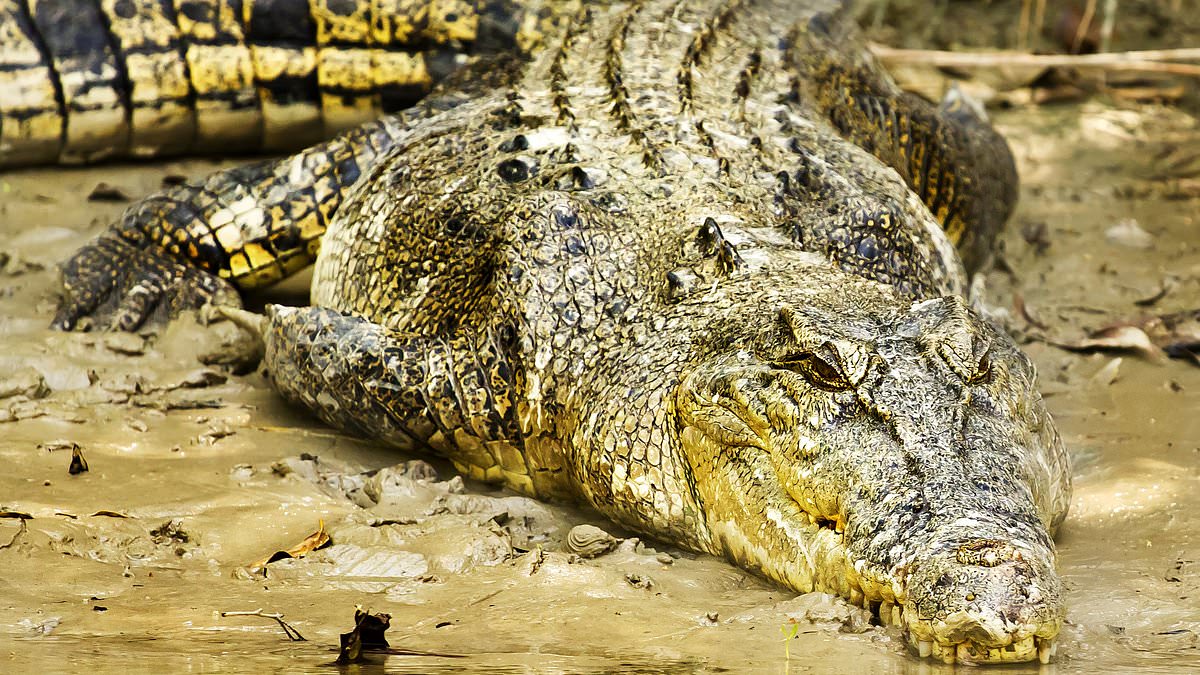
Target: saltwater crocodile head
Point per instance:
(897, 454)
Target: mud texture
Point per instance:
(195, 473)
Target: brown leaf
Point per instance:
(368, 635)
(1117, 338)
(312, 542)
(78, 463)
(1177, 334)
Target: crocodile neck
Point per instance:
(696, 106)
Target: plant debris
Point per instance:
(170, 532)
(78, 463)
(316, 540)
(1166, 286)
(366, 636)
(1117, 338)
(293, 634)
(22, 529)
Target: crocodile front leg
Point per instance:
(245, 227)
(453, 394)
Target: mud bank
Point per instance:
(196, 474)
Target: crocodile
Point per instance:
(90, 80)
(699, 265)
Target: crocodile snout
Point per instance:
(985, 600)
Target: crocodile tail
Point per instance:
(86, 80)
(948, 154)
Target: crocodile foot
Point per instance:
(114, 285)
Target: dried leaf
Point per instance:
(1178, 334)
(1118, 338)
(314, 541)
(368, 635)
(78, 463)
(170, 532)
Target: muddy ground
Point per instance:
(196, 474)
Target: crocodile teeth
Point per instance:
(885, 613)
(947, 653)
(1046, 649)
(925, 648)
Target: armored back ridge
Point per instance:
(692, 264)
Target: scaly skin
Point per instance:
(663, 268)
(86, 80)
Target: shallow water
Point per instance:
(483, 578)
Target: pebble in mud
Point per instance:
(589, 541)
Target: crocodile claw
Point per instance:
(114, 285)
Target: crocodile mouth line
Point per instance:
(877, 593)
(890, 613)
(879, 597)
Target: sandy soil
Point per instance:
(196, 474)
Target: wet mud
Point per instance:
(197, 474)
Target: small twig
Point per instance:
(1023, 24)
(1085, 23)
(293, 634)
(1107, 25)
(1151, 60)
(20, 531)
(1040, 15)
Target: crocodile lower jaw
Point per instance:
(968, 651)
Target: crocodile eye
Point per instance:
(816, 370)
(983, 372)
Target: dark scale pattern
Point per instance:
(87, 80)
(673, 266)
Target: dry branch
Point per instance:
(1151, 60)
